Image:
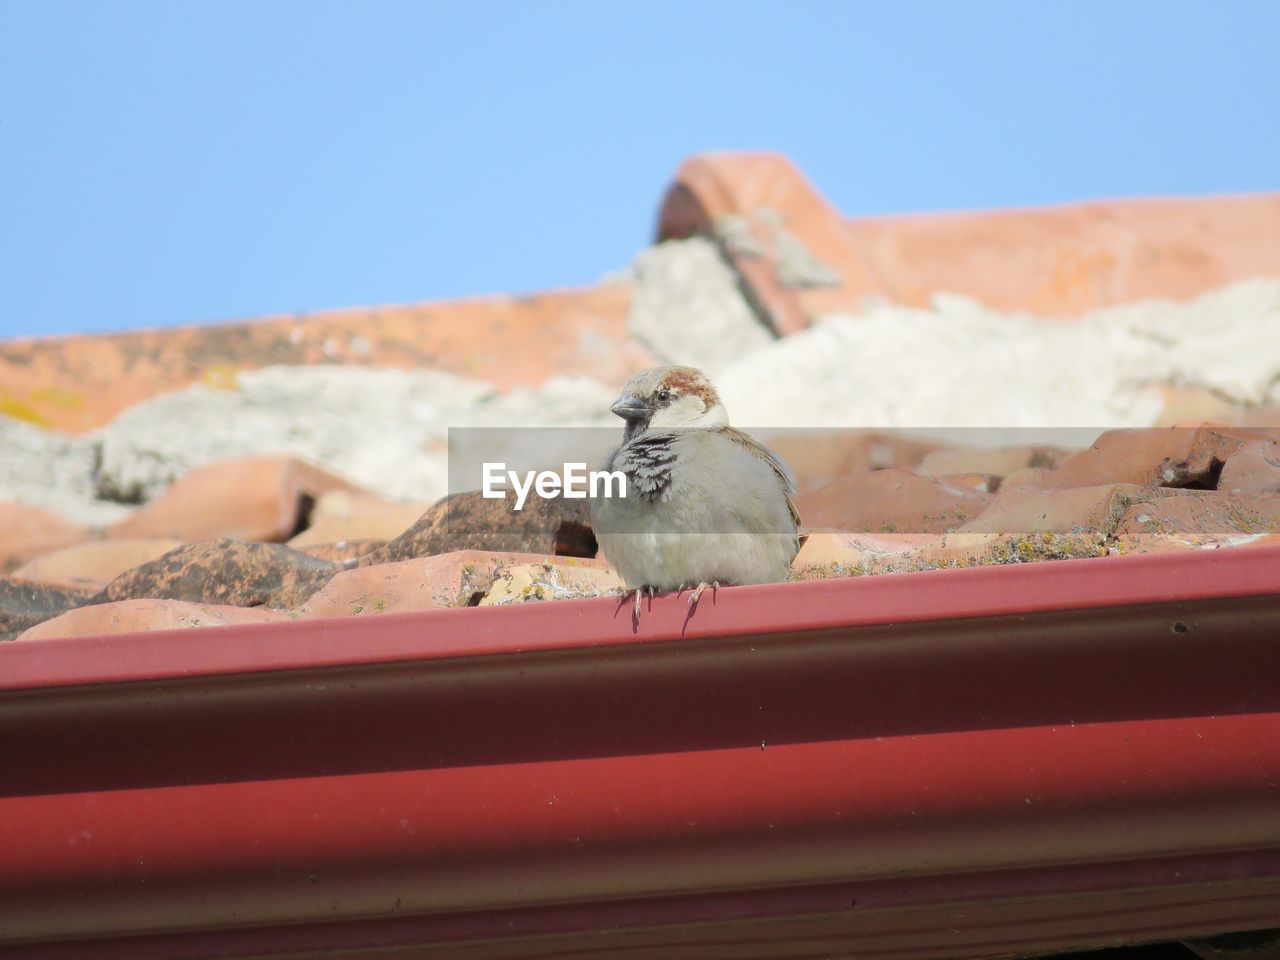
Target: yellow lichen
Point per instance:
(11, 407)
(59, 397)
(220, 376)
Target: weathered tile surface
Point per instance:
(468, 521)
(357, 515)
(1168, 457)
(130, 616)
(79, 383)
(996, 461)
(250, 498)
(893, 501)
(27, 532)
(456, 579)
(1253, 468)
(93, 563)
(224, 571)
(818, 457)
(23, 604)
(345, 552)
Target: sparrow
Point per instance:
(705, 505)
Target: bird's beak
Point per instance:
(629, 408)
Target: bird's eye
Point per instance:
(664, 395)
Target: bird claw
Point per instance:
(697, 592)
(640, 592)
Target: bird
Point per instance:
(705, 505)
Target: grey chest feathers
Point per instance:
(647, 461)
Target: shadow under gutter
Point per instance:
(963, 763)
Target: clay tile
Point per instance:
(1241, 516)
(460, 578)
(895, 501)
(1067, 260)
(129, 616)
(1168, 457)
(468, 521)
(1113, 515)
(978, 482)
(251, 498)
(94, 563)
(817, 457)
(531, 582)
(24, 604)
(1189, 406)
(27, 531)
(1253, 468)
(354, 515)
(224, 571)
(1142, 543)
(842, 554)
(1027, 477)
(790, 246)
(1028, 510)
(851, 554)
(799, 258)
(996, 461)
(81, 383)
(345, 552)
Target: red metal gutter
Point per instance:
(962, 763)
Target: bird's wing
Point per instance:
(753, 447)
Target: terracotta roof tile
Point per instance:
(345, 552)
(1063, 261)
(226, 572)
(1096, 508)
(1237, 515)
(468, 521)
(819, 457)
(82, 382)
(1171, 457)
(1252, 468)
(747, 199)
(357, 516)
(1142, 543)
(27, 532)
(1183, 406)
(840, 554)
(253, 498)
(456, 579)
(1056, 261)
(892, 501)
(568, 578)
(997, 461)
(130, 616)
(23, 604)
(93, 564)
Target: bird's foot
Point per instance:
(639, 593)
(697, 592)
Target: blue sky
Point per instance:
(182, 162)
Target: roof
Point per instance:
(1143, 558)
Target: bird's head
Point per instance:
(669, 397)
